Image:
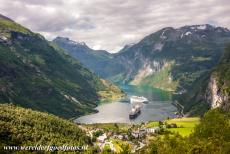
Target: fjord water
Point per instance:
(158, 108)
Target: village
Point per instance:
(117, 137)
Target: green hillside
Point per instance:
(7, 25)
(35, 73)
(211, 136)
(25, 127)
(100, 62)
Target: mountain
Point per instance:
(172, 59)
(26, 127)
(98, 61)
(178, 60)
(211, 90)
(35, 73)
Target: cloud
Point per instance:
(110, 24)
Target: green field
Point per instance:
(152, 124)
(185, 125)
(110, 126)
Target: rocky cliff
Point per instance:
(218, 89)
(215, 97)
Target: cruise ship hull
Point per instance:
(133, 116)
(136, 103)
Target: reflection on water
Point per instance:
(153, 94)
(119, 111)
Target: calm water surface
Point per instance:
(158, 108)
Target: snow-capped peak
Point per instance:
(76, 43)
(198, 27)
(67, 40)
(201, 27)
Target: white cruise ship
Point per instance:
(138, 99)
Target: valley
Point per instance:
(176, 60)
(63, 93)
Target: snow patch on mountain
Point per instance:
(201, 27)
(162, 35)
(158, 46)
(188, 33)
(76, 43)
(203, 36)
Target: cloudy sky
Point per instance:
(110, 24)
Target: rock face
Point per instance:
(218, 89)
(214, 97)
(148, 68)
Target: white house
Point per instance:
(102, 138)
(135, 134)
(153, 130)
(120, 137)
(139, 133)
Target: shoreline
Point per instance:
(180, 108)
(94, 118)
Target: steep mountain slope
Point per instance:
(37, 74)
(211, 90)
(218, 89)
(179, 56)
(98, 61)
(25, 127)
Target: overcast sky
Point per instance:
(110, 24)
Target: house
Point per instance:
(153, 130)
(126, 137)
(121, 137)
(139, 133)
(102, 138)
(142, 132)
(135, 134)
